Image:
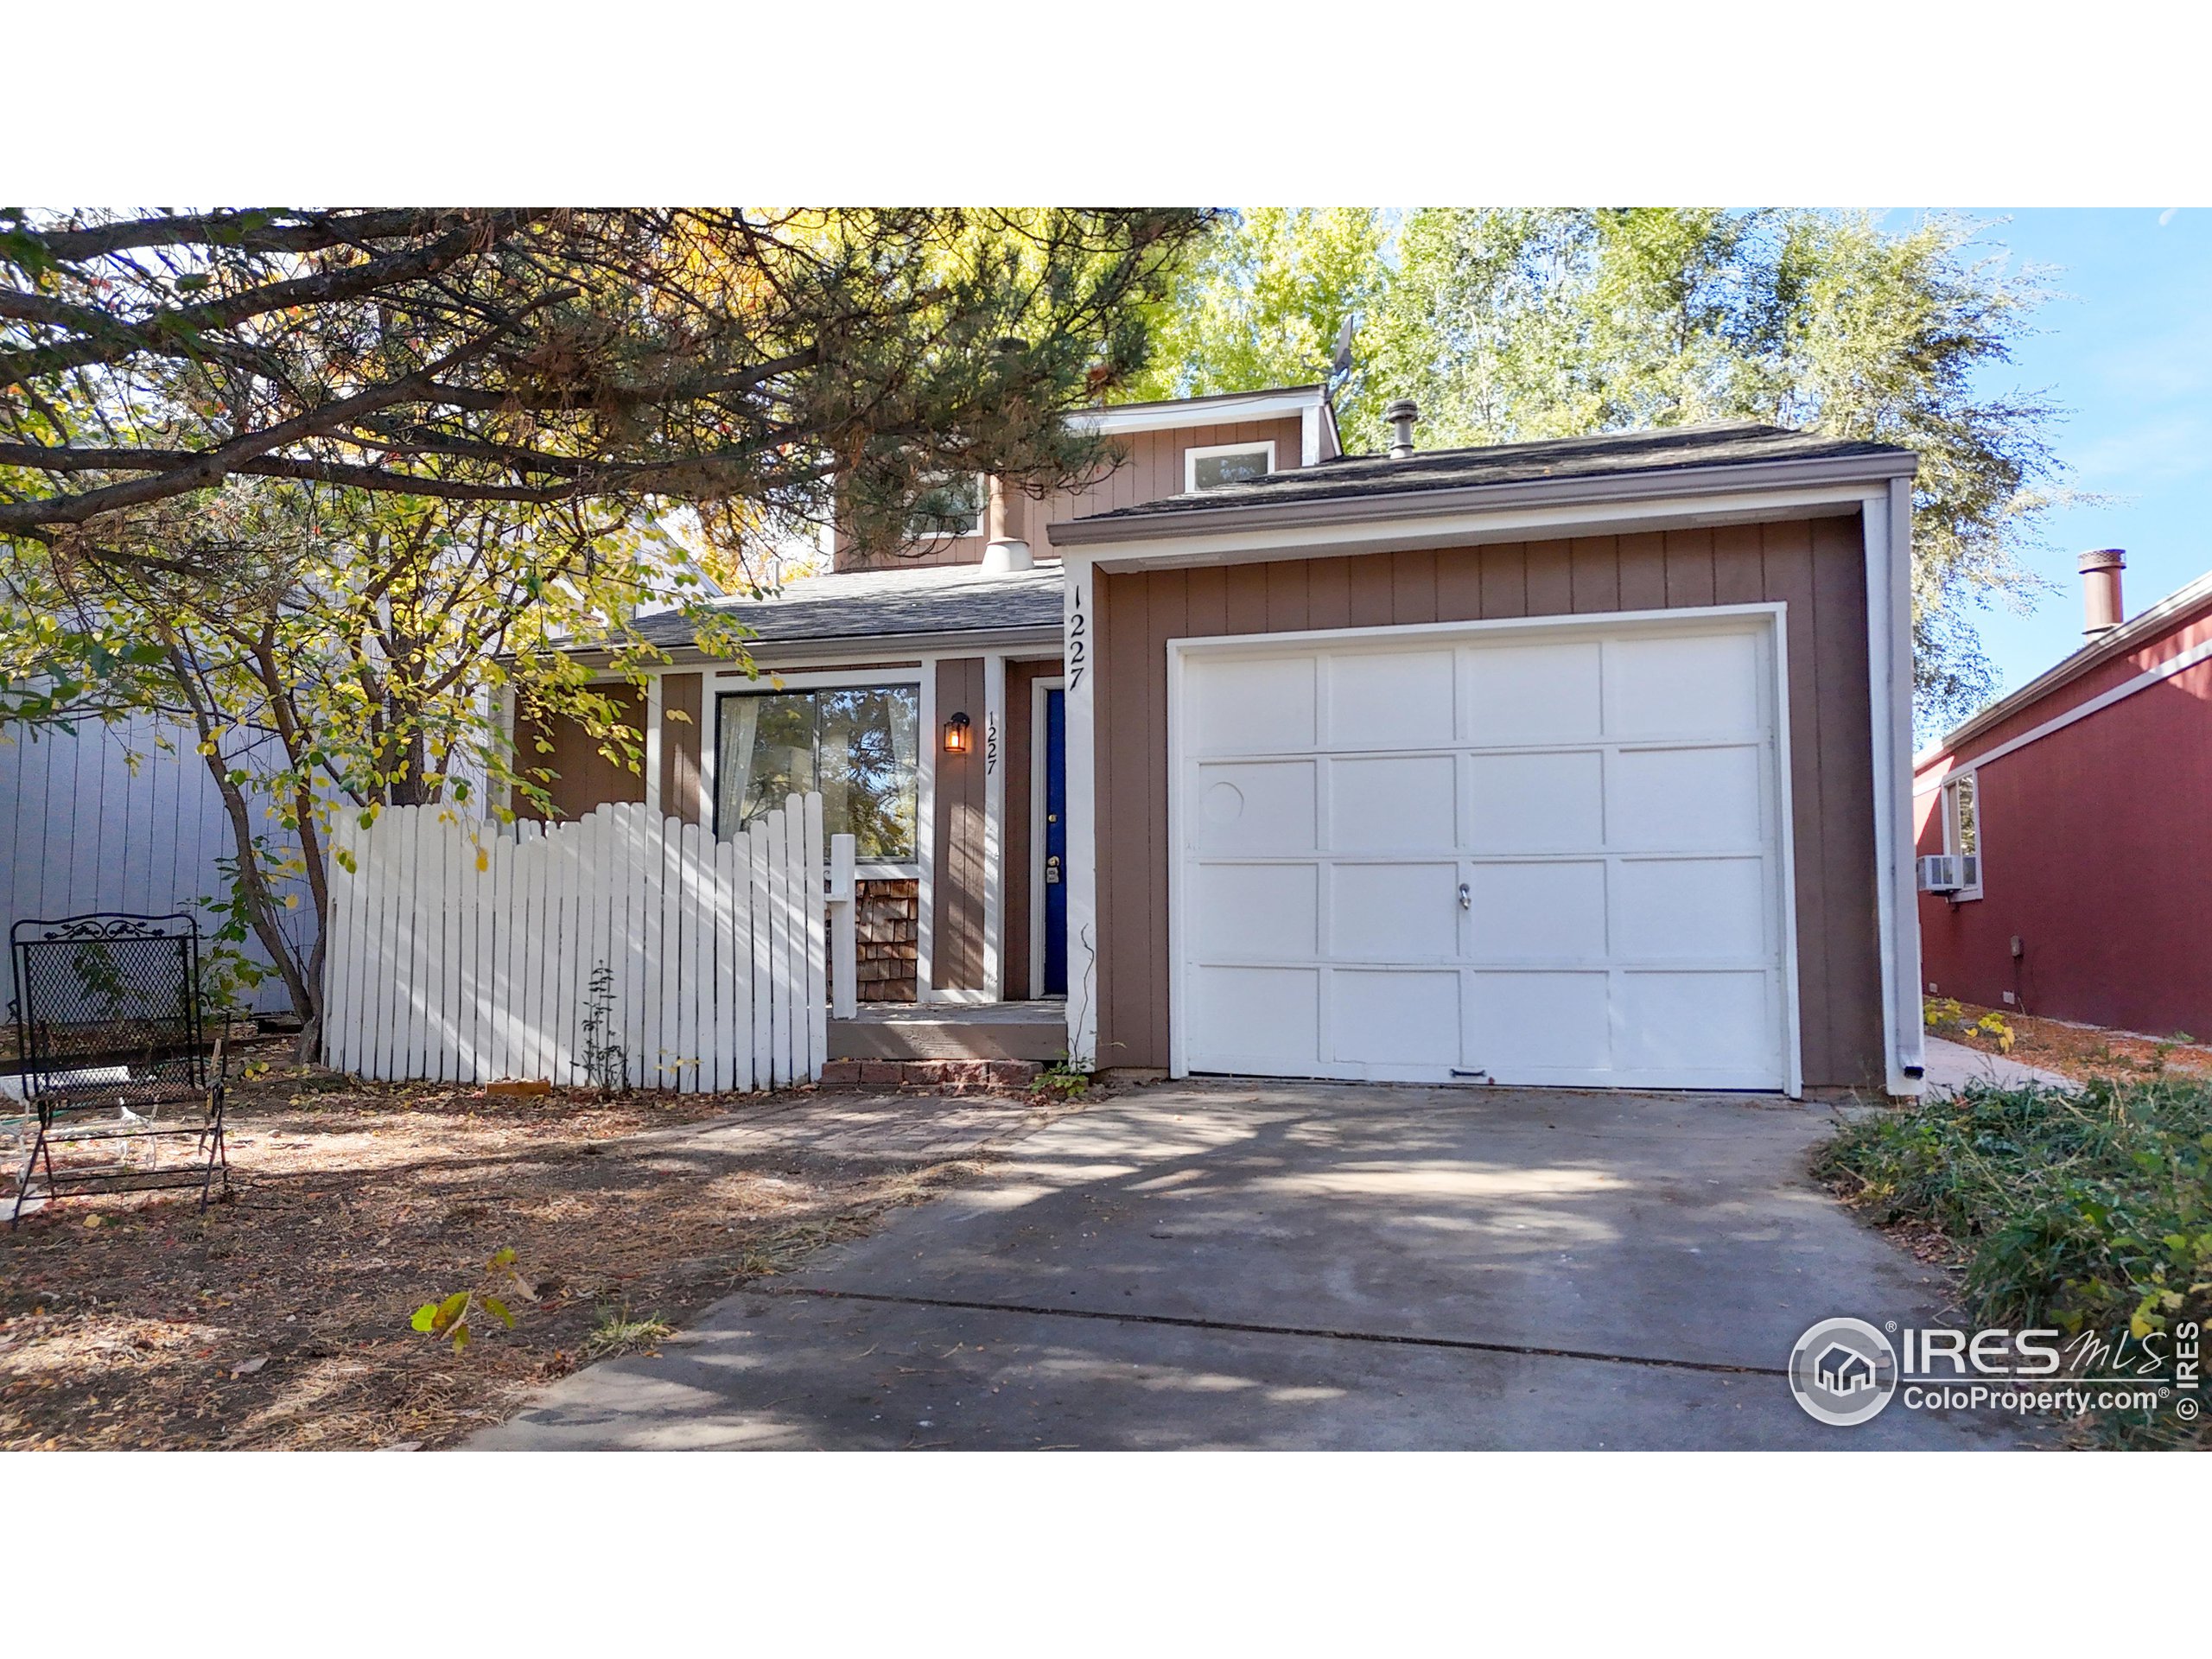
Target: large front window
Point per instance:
(857, 744)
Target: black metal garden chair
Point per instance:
(115, 1063)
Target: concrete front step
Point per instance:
(940, 1076)
(939, 1031)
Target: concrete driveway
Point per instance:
(1272, 1265)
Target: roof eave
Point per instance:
(1732, 478)
(935, 641)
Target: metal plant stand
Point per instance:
(108, 1036)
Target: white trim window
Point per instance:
(1217, 465)
(859, 745)
(947, 508)
(1962, 832)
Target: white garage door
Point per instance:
(1545, 855)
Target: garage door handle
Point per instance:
(1466, 897)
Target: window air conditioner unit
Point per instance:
(1949, 873)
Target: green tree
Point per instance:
(1511, 323)
(1259, 302)
(332, 653)
(324, 486)
(730, 359)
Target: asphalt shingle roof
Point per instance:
(873, 604)
(1660, 450)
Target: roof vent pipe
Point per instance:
(2101, 611)
(1401, 416)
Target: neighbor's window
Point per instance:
(947, 507)
(857, 744)
(1222, 464)
(1962, 828)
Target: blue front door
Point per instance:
(1056, 845)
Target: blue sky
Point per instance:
(2126, 349)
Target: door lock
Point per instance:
(1466, 897)
(1052, 870)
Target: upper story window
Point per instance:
(1962, 831)
(947, 507)
(1217, 465)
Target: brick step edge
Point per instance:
(942, 1076)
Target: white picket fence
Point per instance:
(463, 952)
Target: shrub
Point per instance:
(2088, 1212)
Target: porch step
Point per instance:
(940, 1076)
(938, 1031)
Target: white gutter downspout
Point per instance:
(1889, 622)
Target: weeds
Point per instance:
(1061, 1081)
(619, 1333)
(2089, 1212)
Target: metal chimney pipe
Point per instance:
(1402, 415)
(2101, 610)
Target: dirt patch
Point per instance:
(2079, 1051)
(282, 1320)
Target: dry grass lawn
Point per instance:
(282, 1320)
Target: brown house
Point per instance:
(1581, 762)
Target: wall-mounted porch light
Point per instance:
(956, 740)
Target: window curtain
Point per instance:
(741, 720)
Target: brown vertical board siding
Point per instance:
(1787, 563)
(1505, 590)
(1816, 569)
(1145, 466)
(1846, 798)
(956, 904)
(1689, 567)
(1169, 620)
(1248, 602)
(583, 778)
(1594, 564)
(1125, 1001)
(1460, 581)
(1549, 568)
(1286, 604)
(683, 719)
(1208, 594)
(1737, 576)
(1328, 593)
(1413, 589)
(1643, 582)
(1024, 748)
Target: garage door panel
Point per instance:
(1695, 685)
(1523, 1022)
(1394, 1019)
(1667, 800)
(1256, 1018)
(1533, 693)
(1255, 706)
(1265, 912)
(1691, 909)
(1404, 912)
(1697, 1022)
(1535, 803)
(1254, 807)
(1397, 698)
(1537, 911)
(1609, 800)
(1393, 804)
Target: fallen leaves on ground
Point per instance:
(2078, 1052)
(282, 1320)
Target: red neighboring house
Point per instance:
(2079, 810)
